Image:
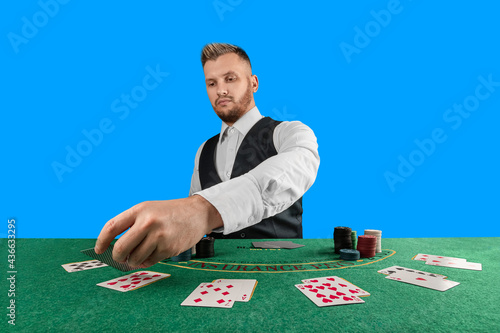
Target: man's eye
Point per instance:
(230, 78)
(211, 84)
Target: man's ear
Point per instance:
(255, 83)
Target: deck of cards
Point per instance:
(331, 290)
(442, 261)
(221, 293)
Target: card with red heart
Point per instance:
(425, 257)
(337, 284)
(423, 281)
(394, 269)
(326, 297)
(133, 281)
(455, 264)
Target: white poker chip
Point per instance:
(378, 234)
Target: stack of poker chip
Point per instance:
(342, 238)
(354, 239)
(349, 254)
(367, 244)
(378, 234)
(184, 256)
(205, 248)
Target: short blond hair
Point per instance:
(214, 50)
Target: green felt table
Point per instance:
(50, 299)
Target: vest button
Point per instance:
(242, 235)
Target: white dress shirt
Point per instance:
(272, 186)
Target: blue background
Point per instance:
(367, 108)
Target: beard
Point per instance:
(240, 107)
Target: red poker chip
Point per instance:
(367, 244)
(366, 237)
(368, 248)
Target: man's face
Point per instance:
(230, 86)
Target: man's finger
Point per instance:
(113, 228)
(133, 240)
(141, 252)
(154, 258)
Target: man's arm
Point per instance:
(158, 230)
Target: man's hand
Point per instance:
(158, 230)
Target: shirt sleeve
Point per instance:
(272, 186)
(195, 179)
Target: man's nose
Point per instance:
(222, 90)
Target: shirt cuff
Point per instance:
(238, 201)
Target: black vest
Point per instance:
(256, 147)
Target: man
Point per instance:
(248, 181)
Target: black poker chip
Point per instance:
(205, 248)
(342, 238)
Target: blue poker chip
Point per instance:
(184, 256)
(349, 254)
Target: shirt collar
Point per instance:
(245, 123)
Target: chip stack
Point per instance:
(184, 256)
(349, 254)
(205, 248)
(342, 238)
(378, 234)
(354, 239)
(367, 245)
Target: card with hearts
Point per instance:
(395, 269)
(455, 264)
(326, 297)
(133, 281)
(425, 257)
(423, 281)
(336, 284)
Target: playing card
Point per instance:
(424, 257)
(83, 265)
(133, 281)
(216, 295)
(326, 297)
(107, 257)
(247, 288)
(456, 264)
(265, 245)
(276, 245)
(423, 281)
(335, 283)
(394, 269)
